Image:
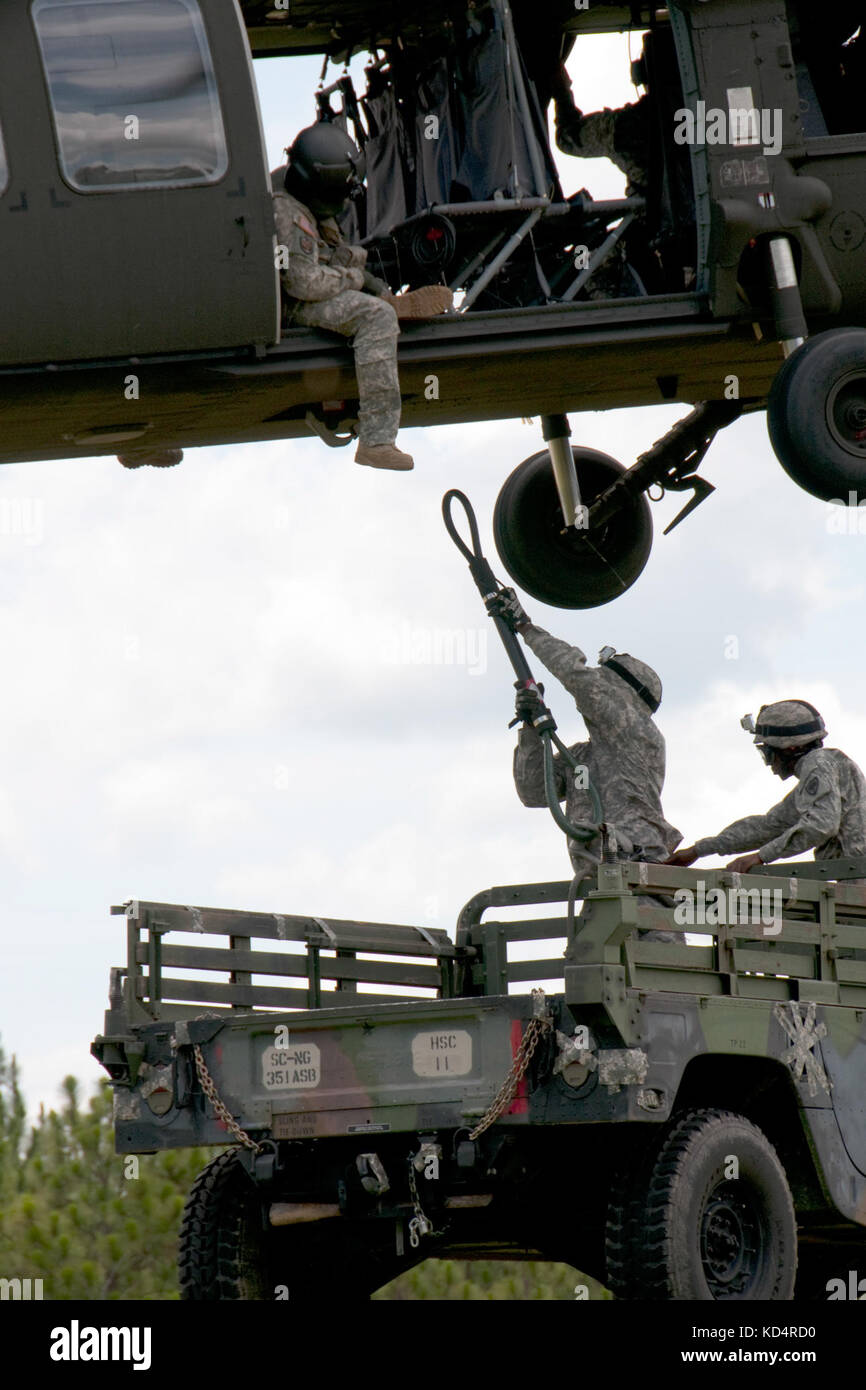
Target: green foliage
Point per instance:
(500, 1280)
(73, 1214)
(69, 1214)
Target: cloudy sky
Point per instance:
(225, 685)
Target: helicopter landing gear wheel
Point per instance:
(816, 415)
(569, 567)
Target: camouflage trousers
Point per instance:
(372, 326)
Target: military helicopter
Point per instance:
(141, 300)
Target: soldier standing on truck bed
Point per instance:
(624, 756)
(328, 286)
(826, 811)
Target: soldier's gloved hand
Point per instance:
(507, 606)
(529, 702)
(347, 256)
(329, 231)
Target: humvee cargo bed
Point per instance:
(677, 1120)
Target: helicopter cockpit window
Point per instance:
(133, 92)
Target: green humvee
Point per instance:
(677, 1119)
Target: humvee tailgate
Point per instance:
(387, 1068)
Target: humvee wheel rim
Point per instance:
(730, 1241)
(846, 413)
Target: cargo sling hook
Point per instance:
(545, 725)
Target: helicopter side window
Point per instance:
(133, 93)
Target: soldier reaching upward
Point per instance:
(825, 812)
(328, 286)
(624, 756)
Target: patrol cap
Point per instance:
(788, 724)
(637, 674)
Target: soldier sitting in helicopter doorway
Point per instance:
(327, 285)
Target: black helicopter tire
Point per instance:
(816, 415)
(570, 568)
(686, 1229)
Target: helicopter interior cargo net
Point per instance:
(462, 186)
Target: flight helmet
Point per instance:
(325, 168)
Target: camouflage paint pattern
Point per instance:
(787, 1000)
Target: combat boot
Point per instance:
(384, 456)
(155, 458)
(423, 303)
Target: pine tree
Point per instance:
(91, 1224)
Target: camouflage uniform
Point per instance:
(826, 812)
(620, 136)
(329, 287)
(624, 756)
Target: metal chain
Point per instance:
(208, 1085)
(420, 1225)
(535, 1029)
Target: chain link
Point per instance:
(533, 1033)
(535, 1030)
(208, 1085)
(420, 1225)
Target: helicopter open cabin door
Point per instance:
(135, 208)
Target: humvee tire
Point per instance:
(567, 567)
(816, 415)
(226, 1251)
(222, 1251)
(685, 1227)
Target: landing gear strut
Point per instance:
(573, 526)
